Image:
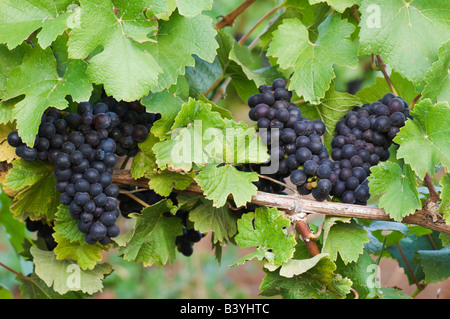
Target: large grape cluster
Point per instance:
(83, 147)
(362, 140)
(300, 153)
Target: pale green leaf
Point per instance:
(312, 63)
(344, 237)
(438, 77)
(426, 135)
(38, 80)
(405, 33)
(398, 187)
(218, 183)
(265, 229)
(66, 275)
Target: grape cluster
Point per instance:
(185, 242)
(363, 138)
(43, 230)
(83, 147)
(300, 152)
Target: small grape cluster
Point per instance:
(301, 154)
(43, 230)
(185, 242)
(363, 138)
(83, 147)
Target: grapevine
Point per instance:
(313, 135)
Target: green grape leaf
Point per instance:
(399, 188)
(192, 8)
(38, 80)
(218, 183)
(265, 229)
(178, 39)
(168, 105)
(20, 18)
(35, 288)
(220, 221)
(66, 225)
(319, 282)
(8, 60)
(438, 77)
(444, 207)
(154, 234)
(36, 189)
(66, 275)
(164, 181)
(14, 228)
(294, 267)
(344, 237)
(144, 162)
(312, 63)
(405, 89)
(405, 33)
(407, 257)
(7, 152)
(331, 109)
(338, 5)
(124, 66)
(428, 135)
(435, 264)
(86, 256)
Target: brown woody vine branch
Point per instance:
(228, 20)
(295, 205)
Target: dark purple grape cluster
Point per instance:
(83, 147)
(363, 138)
(43, 230)
(185, 243)
(294, 141)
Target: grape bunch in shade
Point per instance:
(84, 146)
(185, 242)
(43, 230)
(300, 153)
(363, 138)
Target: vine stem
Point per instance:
(277, 182)
(24, 278)
(413, 102)
(264, 17)
(137, 199)
(308, 237)
(434, 195)
(228, 20)
(382, 67)
(216, 83)
(295, 204)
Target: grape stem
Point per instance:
(434, 195)
(382, 67)
(308, 237)
(278, 182)
(264, 17)
(295, 204)
(413, 102)
(137, 199)
(24, 278)
(228, 20)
